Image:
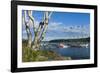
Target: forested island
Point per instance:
(71, 40)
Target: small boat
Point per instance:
(84, 45)
(62, 46)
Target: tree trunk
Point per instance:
(35, 41)
(29, 34)
(45, 27)
(39, 36)
(39, 33)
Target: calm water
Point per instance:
(75, 53)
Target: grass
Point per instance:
(29, 55)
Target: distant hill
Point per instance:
(72, 40)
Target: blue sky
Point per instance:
(64, 25)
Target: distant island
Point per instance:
(71, 40)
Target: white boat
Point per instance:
(63, 46)
(85, 45)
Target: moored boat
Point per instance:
(61, 45)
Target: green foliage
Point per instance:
(29, 55)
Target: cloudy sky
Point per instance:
(63, 25)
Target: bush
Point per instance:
(29, 55)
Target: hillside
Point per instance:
(72, 40)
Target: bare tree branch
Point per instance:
(32, 19)
(50, 15)
(46, 19)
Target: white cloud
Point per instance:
(78, 30)
(54, 25)
(53, 38)
(60, 27)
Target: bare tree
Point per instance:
(39, 33)
(29, 34)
